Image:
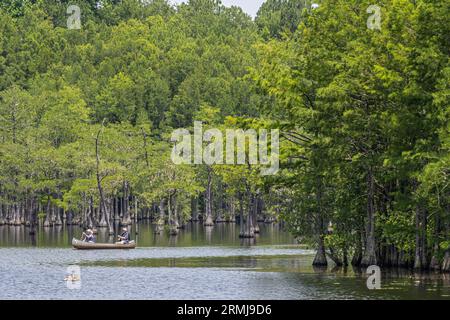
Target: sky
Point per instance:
(249, 6)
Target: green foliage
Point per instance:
(139, 68)
(363, 104)
(278, 17)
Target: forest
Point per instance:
(86, 117)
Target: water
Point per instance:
(194, 235)
(200, 263)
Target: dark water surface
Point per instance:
(194, 235)
(200, 263)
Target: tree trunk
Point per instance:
(357, 256)
(116, 208)
(33, 217)
(17, 214)
(173, 227)
(248, 226)
(58, 221)
(2, 218)
(241, 215)
(446, 262)
(194, 208)
(208, 197)
(90, 213)
(370, 257)
(125, 205)
(232, 213)
(434, 263)
(104, 212)
(345, 256)
(219, 209)
(420, 256)
(320, 259)
(255, 214)
(160, 223)
(250, 210)
(47, 213)
(176, 217)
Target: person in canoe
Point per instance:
(124, 237)
(88, 236)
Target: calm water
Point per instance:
(194, 235)
(197, 264)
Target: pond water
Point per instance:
(194, 235)
(199, 263)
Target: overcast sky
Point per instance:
(249, 6)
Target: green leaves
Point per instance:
(368, 101)
(17, 114)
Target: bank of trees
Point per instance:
(86, 117)
(370, 113)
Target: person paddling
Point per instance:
(88, 236)
(124, 237)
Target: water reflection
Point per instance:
(198, 263)
(193, 234)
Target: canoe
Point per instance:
(81, 245)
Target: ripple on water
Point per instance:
(39, 256)
(36, 273)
